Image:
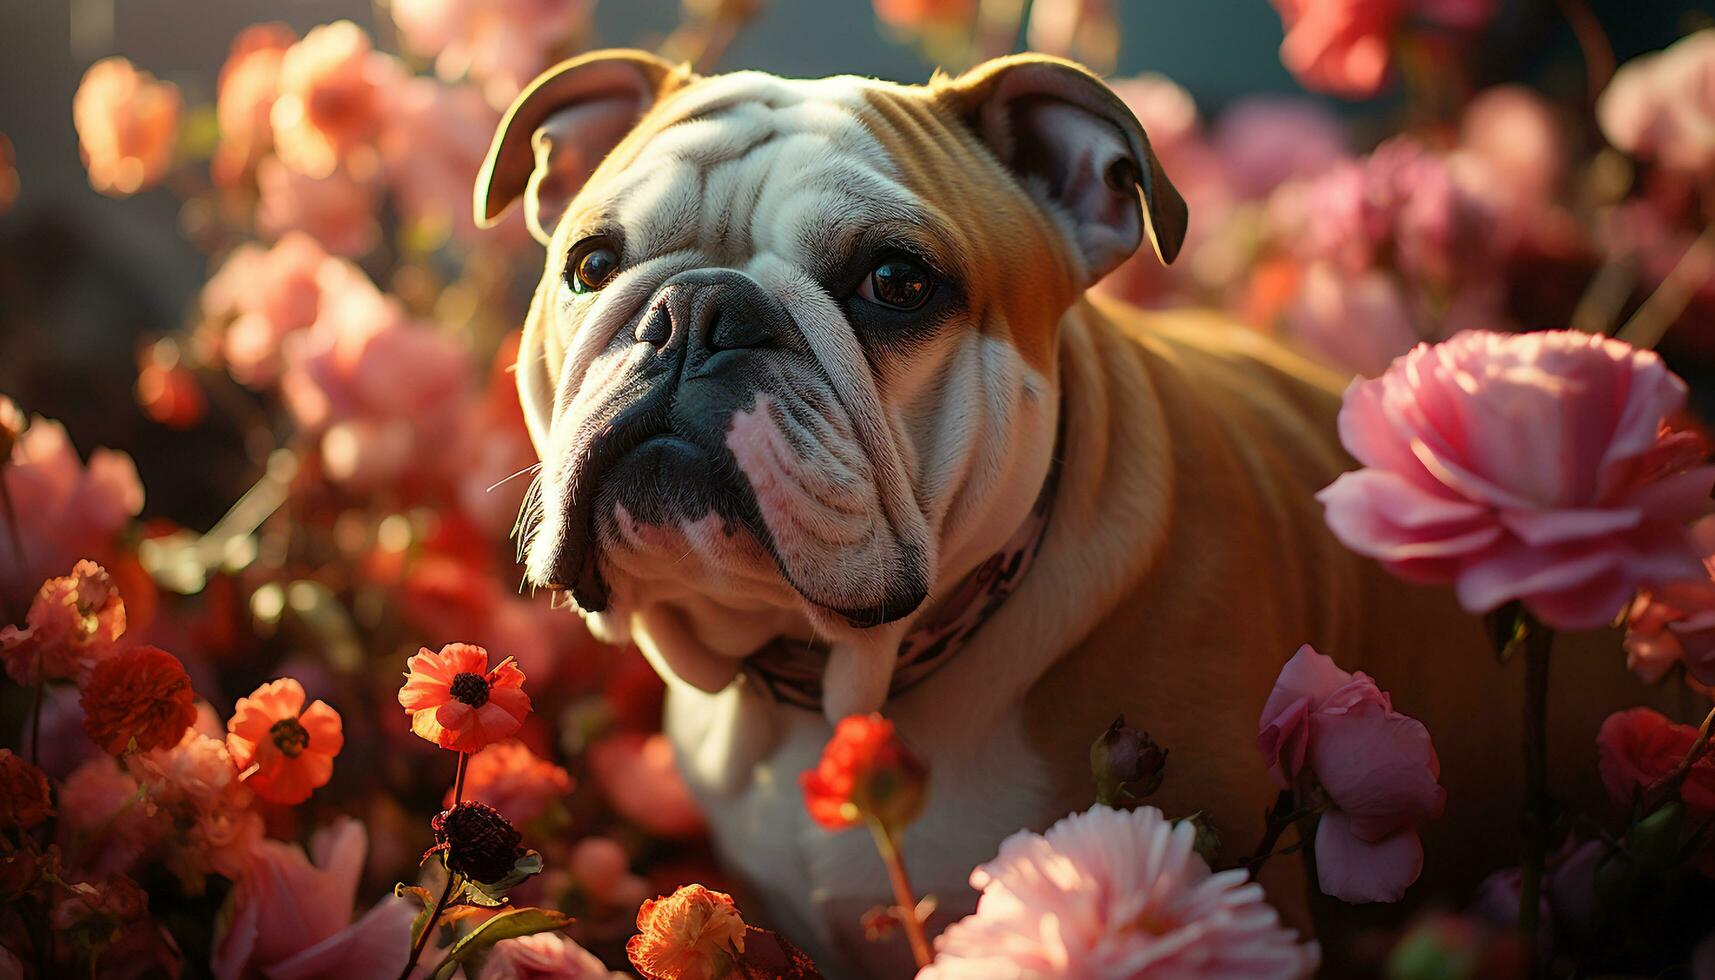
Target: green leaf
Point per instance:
(424, 899)
(493, 894)
(506, 925)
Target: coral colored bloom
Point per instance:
(338, 210)
(543, 956)
(1116, 893)
(283, 750)
(244, 96)
(865, 772)
(1377, 767)
(66, 510)
(127, 124)
(1676, 623)
(692, 934)
(73, 623)
(266, 293)
(142, 695)
(638, 776)
(282, 903)
(1345, 47)
(514, 780)
(196, 784)
(1637, 748)
(1661, 106)
(24, 799)
(458, 703)
(918, 15)
(333, 88)
(432, 145)
(1531, 467)
(500, 44)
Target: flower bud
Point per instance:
(1126, 764)
(866, 773)
(477, 842)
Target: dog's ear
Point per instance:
(561, 127)
(1077, 148)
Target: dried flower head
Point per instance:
(477, 842)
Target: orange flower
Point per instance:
(514, 780)
(73, 622)
(127, 123)
(865, 772)
(692, 934)
(332, 86)
(24, 800)
(457, 702)
(248, 85)
(282, 750)
(142, 694)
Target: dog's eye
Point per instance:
(898, 283)
(592, 264)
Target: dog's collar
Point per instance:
(790, 671)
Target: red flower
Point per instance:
(692, 934)
(458, 703)
(24, 800)
(865, 772)
(73, 622)
(282, 750)
(141, 695)
(1637, 748)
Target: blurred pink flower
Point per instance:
(283, 904)
(638, 776)
(602, 871)
(1265, 141)
(1345, 47)
(106, 824)
(1677, 622)
(333, 91)
(432, 145)
(514, 780)
(66, 510)
(373, 946)
(501, 44)
(338, 210)
(1116, 893)
(1661, 107)
(1527, 467)
(249, 82)
(1377, 767)
(543, 956)
(73, 623)
(197, 783)
(127, 126)
(269, 293)
(1522, 143)
(1637, 748)
(1358, 322)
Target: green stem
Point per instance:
(903, 897)
(1281, 817)
(422, 942)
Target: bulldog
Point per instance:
(828, 424)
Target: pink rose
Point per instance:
(338, 211)
(1677, 622)
(269, 293)
(1637, 748)
(249, 83)
(1661, 106)
(1345, 47)
(1377, 767)
(501, 44)
(543, 956)
(637, 774)
(283, 904)
(66, 510)
(1528, 467)
(332, 96)
(432, 145)
(127, 126)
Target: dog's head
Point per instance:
(791, 366)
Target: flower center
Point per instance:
(471, 688)
(289, 737)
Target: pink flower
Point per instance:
(283, 904)
(127, 125)
(543, 956)
(434, 143)
(1677, 622)
(1522, 143)
(514, 780)
(338, 210)
(1661, 107)
(249, 83)
(1358, 322)
(502, 44)
(1115, 893)
(107, 825)
(1345, 47)
(918, 15)
(66, 511)
(73, 623)
(1525, 467)
(332, 92)
(637, 774)
(196, 782)
(602, 871)
(373, 946)
(1265, 141)
(1636, 749)
(1376, 766)
(269, 293)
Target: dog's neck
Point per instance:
(790, 672)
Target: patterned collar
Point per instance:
(790, 671)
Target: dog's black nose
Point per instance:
(712, 310)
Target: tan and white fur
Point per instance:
(1184, 561)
